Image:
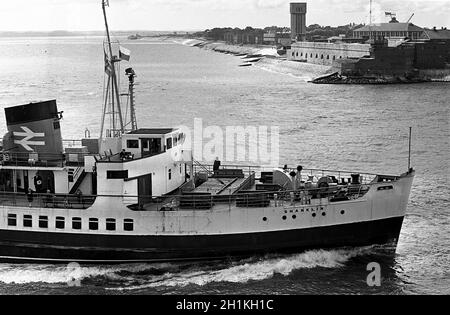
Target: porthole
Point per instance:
(284, 218)
(294, 217)
(343, 212)
(265, 219)
(314, 215)
(324, 214)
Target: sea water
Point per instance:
(349, 127)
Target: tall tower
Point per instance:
(298, 21)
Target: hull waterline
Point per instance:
(33, 247)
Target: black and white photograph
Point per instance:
(225, 153)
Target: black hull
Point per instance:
(41, 247)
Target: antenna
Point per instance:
(409, 156)
(409, 20)
(112, 96)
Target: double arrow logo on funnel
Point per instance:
(28, 134)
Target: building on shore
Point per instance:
(245, 37)
(326, 53)
(393, 29)
(403, 60)
(438, 35)
(277, 38)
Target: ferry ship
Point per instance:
(137, 195)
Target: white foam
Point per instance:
(253, 271)
(238, 272)
(52, 274)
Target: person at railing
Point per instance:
(49, 199)
(123, 155)
(38, 183)
(30, 197)
(79, 195)
(217, 163)
(67, 204)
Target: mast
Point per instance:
(131, 75)
(409, 155)
(113, 85)
(370, 21)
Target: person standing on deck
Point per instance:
(30, 197)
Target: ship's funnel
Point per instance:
(34, 133)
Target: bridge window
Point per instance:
(76, 223)
(170, 174)
(43, 222)
(60, 223)
(117, 174)
(175, 141)
(169, 143)
(110, 224)
(27, 221)
(133, 144)
(93, 224)
(12, 219)
(128, 225)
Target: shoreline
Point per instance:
(268, 58)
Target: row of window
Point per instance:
(60, 223)
(170, 142)
(311, 56)
(388, 34)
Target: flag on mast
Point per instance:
(108, 67)
(124, 54)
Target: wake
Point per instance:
(142, 276)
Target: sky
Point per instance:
(189, 15)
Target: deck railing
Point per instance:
(59, 201)
(365, 178)
(198, 201)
